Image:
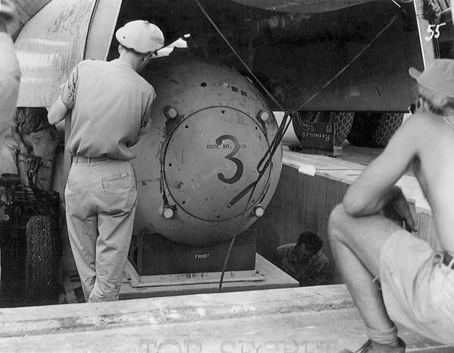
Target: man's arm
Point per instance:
(57, 112)
(65, 102)
(9, 71)
(452, 12)
(375, 187)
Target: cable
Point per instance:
(282, 129)
(237, 55)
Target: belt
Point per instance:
(447, 259)
(82, 159)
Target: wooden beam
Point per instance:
(311, 319)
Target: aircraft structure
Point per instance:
(211, 161)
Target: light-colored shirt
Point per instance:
(110, 104)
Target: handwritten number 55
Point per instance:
(432, 33)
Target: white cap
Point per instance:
(141, 36)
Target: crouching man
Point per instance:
(304, 260)
(393, 276)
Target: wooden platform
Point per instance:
(311, 186)
(299, 320)
(345, 172)
(265, 276)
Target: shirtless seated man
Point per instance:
(393, 276)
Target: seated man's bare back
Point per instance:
(434, 169)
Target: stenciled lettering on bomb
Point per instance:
(222, 144)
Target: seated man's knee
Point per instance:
(336, 219)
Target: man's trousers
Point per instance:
(101, 200)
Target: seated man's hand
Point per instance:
(399, 211)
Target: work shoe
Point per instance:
(374, 347)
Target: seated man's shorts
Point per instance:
(418, 289)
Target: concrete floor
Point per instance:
(295, 320)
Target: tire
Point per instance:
(342, 122)
(387, 126)
(40, 258)
(374, 130)
(12, 241)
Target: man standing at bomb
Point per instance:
(110, 104)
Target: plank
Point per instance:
(310, 319)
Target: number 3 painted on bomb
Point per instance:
(230, 157)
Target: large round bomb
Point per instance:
(203, 167)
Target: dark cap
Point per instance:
(437, 77)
